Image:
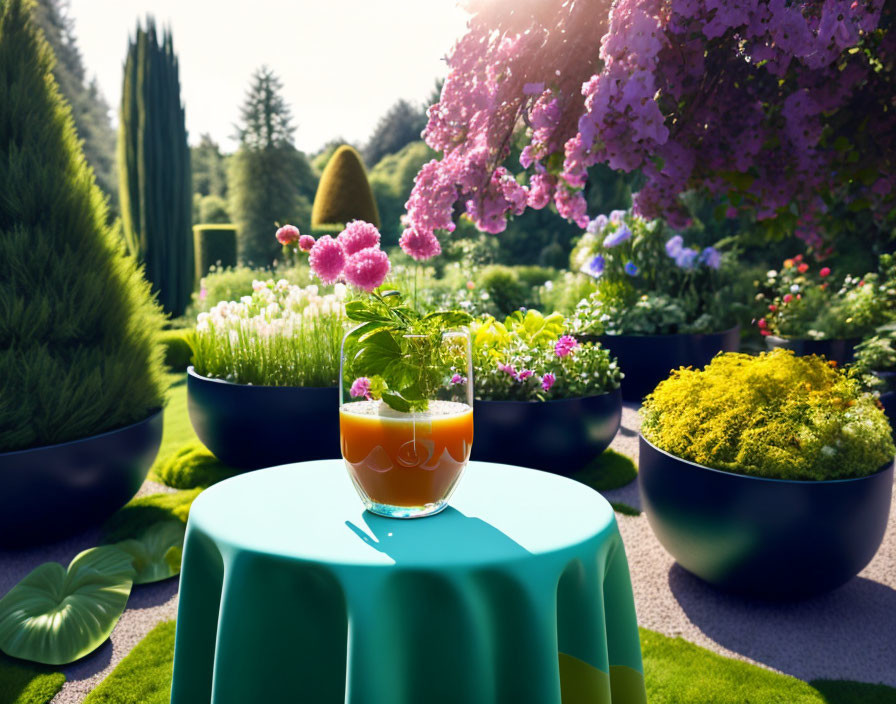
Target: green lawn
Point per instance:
(27, 683)
(676, 671)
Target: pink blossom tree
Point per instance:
(776, 109)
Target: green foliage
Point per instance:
(609, 470)
(563, 293)
(644, 287)
(192, 466)
(78, 329)
(209, 169)
(281, 335)
(344, 194)
(401, 125)
(775, 415)
(178, 349)
(157, 553)
(215, 246)
(140, 514)
(27, 683)
(154, 167)
(799, 302)
(512, 361)
(404, 353)
(504, 288)
(212, 210)
(89, 108)
(391, 180)
(270, 182)
(56, 615)
(878, 352)
(846, 692)
(144, 676)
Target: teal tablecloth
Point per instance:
(518, 592)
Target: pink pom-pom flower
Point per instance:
(367, 269)
(358, 235)
(565, 345)
(420, 245)
(306, 242)
(287, 234)
(360, 387)
(327, 259)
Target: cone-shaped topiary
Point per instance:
(79, 350)
(154, 167)
(343, 193)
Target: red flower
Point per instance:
(803, 268)
(787, 298)
(772, 307)
(798, 257)
(762, 323)
(764, 332)
(826, 271)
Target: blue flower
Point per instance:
(686, 258)
(631, 269)
(711, 257)
(614, 238)
(596, 225)
(595, 267)
(673, 246)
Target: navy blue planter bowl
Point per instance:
(249, 427)
(769, 538)
(647, 359)
(840, 350)
(52, 492)
(560, 436)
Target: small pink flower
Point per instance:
(367, 269)
(327, 259)
(547, 381)
(358, 235)
(524, 374)
(458, 379)
(420, 245)
(787, 298)
(306, 242)
(203, 293)
(361, 387)
(471, 285)
(762, 323)
(565, 345)
(507, 369)
(765, 333)
(825, 271)
(287, 234)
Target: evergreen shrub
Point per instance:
(79, 349)
(343, 193)
(215, 246)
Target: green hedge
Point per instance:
(215, 245)
(178, 351)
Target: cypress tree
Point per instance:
(79, 350)
(155, 190)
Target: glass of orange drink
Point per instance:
(406, 424)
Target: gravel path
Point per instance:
(847, 634)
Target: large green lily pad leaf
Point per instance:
(56, 615)
(157, 552)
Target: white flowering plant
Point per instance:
(529, 357)
(281, 335)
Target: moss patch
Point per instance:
(610, 470)
(138, 515)
(191, 466)
(26, 683)
(843, 692)
(178, 431)
(144, 676)
(624, 509)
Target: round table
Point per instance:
(518, 592)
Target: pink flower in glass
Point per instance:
(361, 387)
(358, 235)
(327, 259)
(367, 269)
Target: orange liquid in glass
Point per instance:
(402, 461)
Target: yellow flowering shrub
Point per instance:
(774, 415)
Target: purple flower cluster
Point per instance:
(688, 257)
(771, 100)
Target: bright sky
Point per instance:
(342, 62)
